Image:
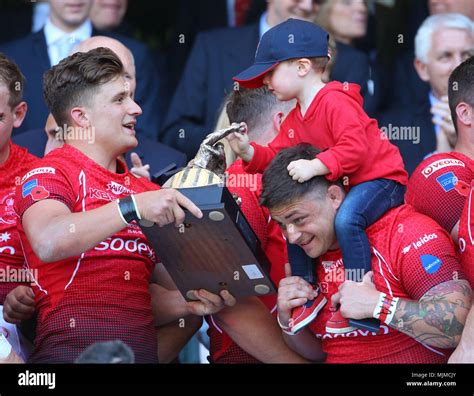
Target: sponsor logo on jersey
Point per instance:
(100, 194)
(331, 265)
(384, 329)
(7, 212)
(440, 164)
(420, 242)
(118, 189)
(39, 171)
(28, 186)
(447, 181)
(118, 244)
(430, 263)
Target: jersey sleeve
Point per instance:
(253, 212)
(44, 182)
(262, 156)
(425, 256)
(438, 188)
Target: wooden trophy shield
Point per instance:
(219, 251)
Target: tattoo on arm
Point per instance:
(438, 318)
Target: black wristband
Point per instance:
(127, 208)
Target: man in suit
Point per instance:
(441, 44)
(156, 155)
(216, 57)
(68, 24)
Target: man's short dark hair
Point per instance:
(278, 187)
(252, 106)
(11, 76)
(75, 80)
(461, 87)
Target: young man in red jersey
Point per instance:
(14, 161)
(417, 292)
(78, 211)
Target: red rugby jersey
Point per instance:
(410, 255)
(11, 253)
(466, 237)
(249, 187)
(439, 186)
(102, 294)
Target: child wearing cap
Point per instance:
(290, 61)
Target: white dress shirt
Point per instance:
(60, 43)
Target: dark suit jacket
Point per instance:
(353, 65)
(216, 57)
(157, 155)
(418, 116)
(31, 55)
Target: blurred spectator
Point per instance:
(22, 18)
(441, 44)
(197, 16)
(464, 7)
(68, 25)
(408, 88)
(216, 57)
(346, 21)
(155, 154)
(108, 14)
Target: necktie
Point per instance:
(241, 9)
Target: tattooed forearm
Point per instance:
(438, 318)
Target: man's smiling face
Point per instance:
(309, 221)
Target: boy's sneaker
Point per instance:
(304, 315)
(337, 324)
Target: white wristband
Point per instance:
(136, 207)
(385, 308)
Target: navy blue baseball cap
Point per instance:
(291, 39)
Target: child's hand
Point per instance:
(240, 143)
(303, 170)
(139, 170)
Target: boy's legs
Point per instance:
(364, 205)
(301, 264)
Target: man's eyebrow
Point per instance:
(122, 93)
(291, 214)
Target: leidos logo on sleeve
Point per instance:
(39, 171)
(440, 164)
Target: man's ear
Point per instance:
(422, 69)
(464, 113)
(19, 114)
(277, 120)
(336, 195)
(79, 117)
